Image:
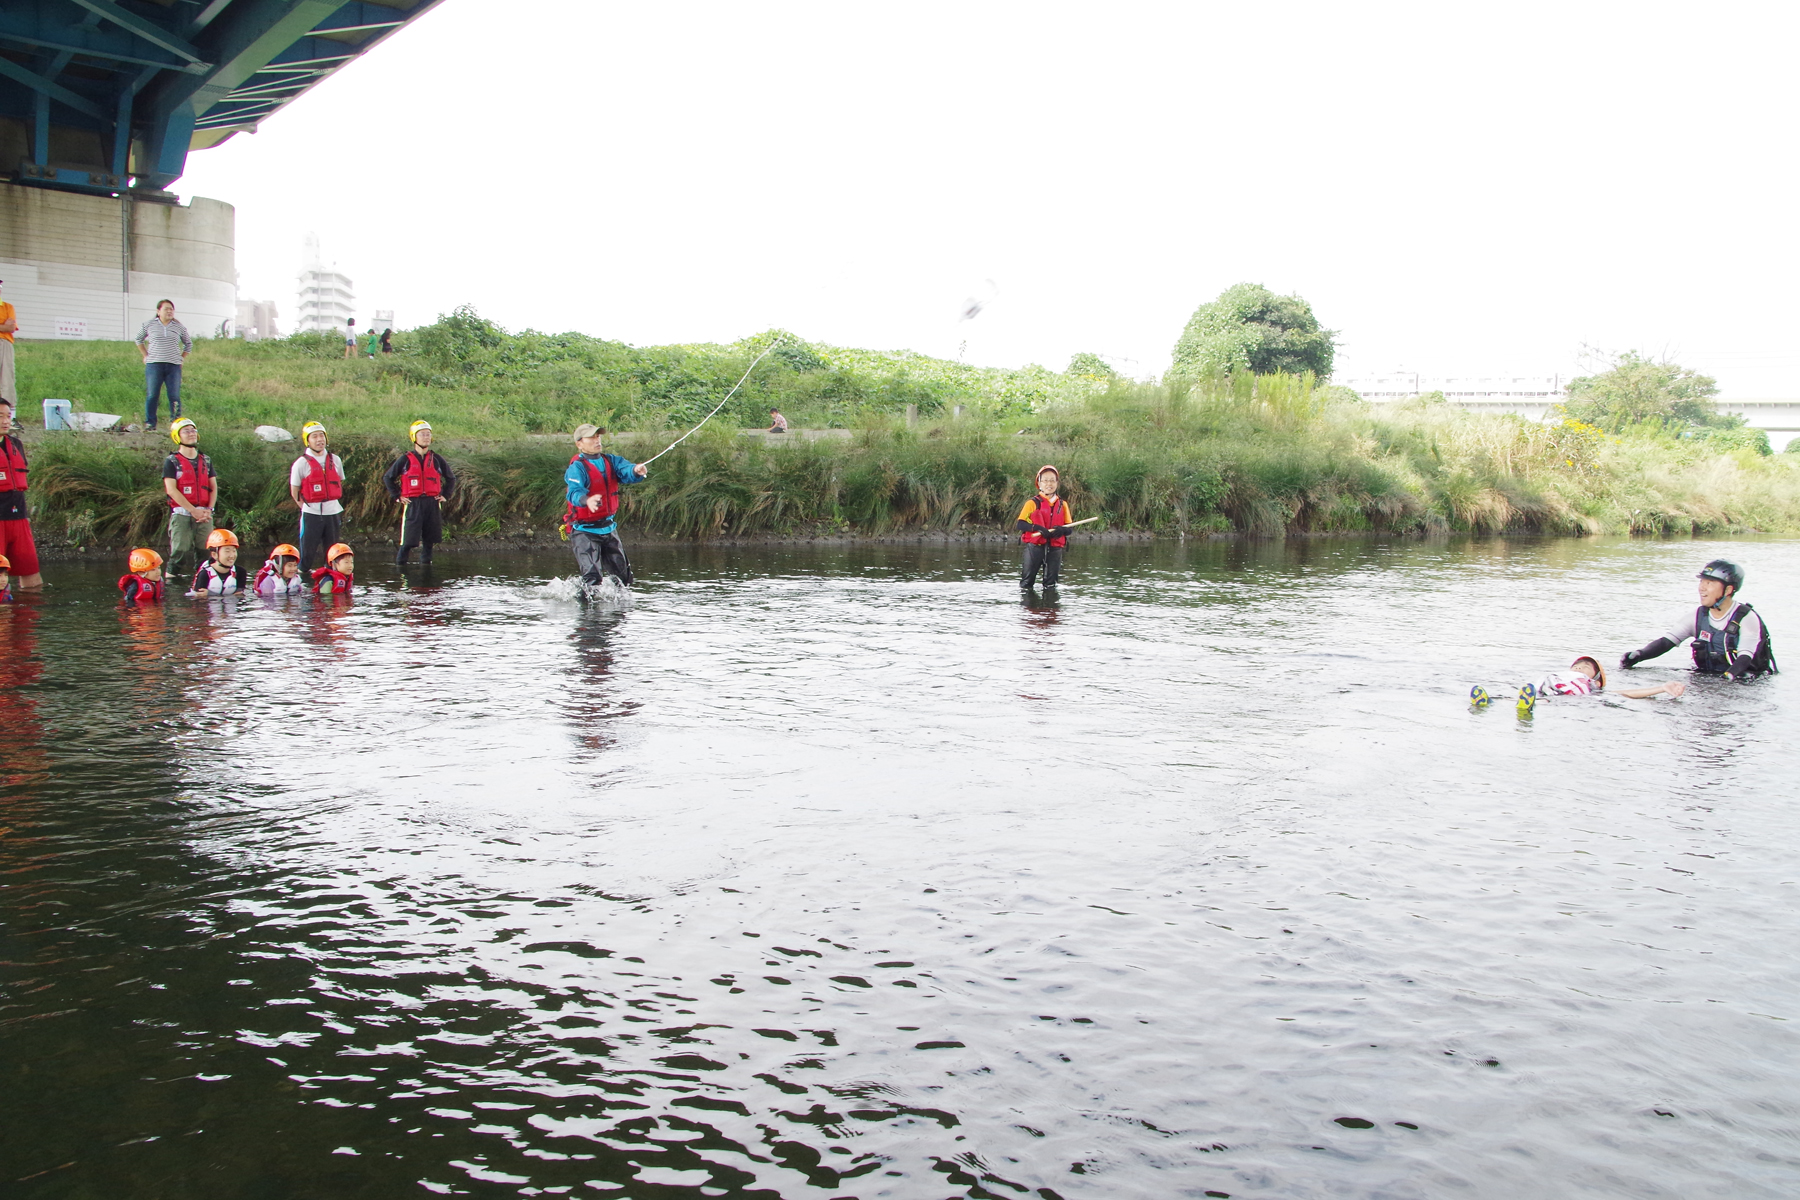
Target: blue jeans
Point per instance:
(157, 376)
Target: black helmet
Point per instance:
(1727, 573)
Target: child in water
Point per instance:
(338, 573)
(5, 580)
(220, 575)
(144, 584)
(280, 576)
(1584, 677)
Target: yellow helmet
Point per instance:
(412, 431)
(308, 429)
(175, 429)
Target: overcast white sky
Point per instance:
(1454, 188)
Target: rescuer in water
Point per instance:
(144, 582)
(222, 575)
(419, 480)
(192, 485)
(1585, 677)
(1043, 528)
(338, 573)
(316, 482)
(280, 576)
(1730, 640)
(593, 480)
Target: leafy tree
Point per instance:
(1090, 366)
(1637, 391)
(1249, 328)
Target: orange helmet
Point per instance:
(220, 537)
(5, 563)
(284, 550)
(337, 551)
(143, 560)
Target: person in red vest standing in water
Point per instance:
(593, 480)
(16, 542)
(316, 482)
(1043, 527)
(419, 479)
(192, 485)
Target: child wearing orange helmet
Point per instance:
(280, 576)
(5, 580)
(144, 582)
(338, 573)
(221, 574)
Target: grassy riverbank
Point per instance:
(1261, 458)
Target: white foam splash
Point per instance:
(610, 593)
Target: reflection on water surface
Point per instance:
(850, 873)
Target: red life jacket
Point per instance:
(194, 480)
(601, 483)
(1046, 513)
(12, 465)
(322, 481)
(421, 476)
(148, 589)
(340, 582)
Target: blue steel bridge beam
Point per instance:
(144, 28)
(37, 26)
(49, 88)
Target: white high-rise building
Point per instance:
(256, 320)
(327, 298)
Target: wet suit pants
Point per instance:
(598, 555)
(1045, 558)
(317, 535)
(421, 522)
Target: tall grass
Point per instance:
(1264, 457)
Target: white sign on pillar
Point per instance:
(71, 327)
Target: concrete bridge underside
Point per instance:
(1780, 419)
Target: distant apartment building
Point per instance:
(256, 320)
(383, 320)
(327, 297)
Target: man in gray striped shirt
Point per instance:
(164, 343)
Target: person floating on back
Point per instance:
(280, 576)
(144, 582)
(338, 573)
(222, 574)
(191, 485)
(1730, 639)
(593, 480)
(316, 482)
(1585, 677)
(1043, 527)
(420, 480)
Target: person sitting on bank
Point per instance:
(592, 481)
(316, 483)
(143, 583)
(222, 574)
(777, 422)
(1730, 639)
(1585, 677)
(1043, 528)
(16, 541)
(192, 486)
(338, 573)
(280, 576)
(419, 481)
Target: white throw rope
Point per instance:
(715, 412)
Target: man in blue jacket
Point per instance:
(593, 481)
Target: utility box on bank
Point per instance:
(56, 414)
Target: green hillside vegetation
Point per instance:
(1223, 452)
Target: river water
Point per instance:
(824, 872)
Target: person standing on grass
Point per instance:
(192, 486)
(387, 341)
(164, 344)
(593, 480)
(9, 325)
(418, 481)
(350, 339)
(316, 483)
(16, 542)
(374, 339)
(1043, 527)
